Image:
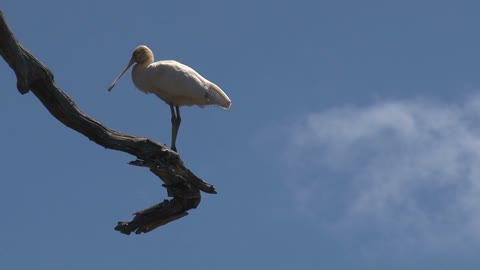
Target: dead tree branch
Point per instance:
(180, 182)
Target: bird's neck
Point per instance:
(144, 64)
(140, 76)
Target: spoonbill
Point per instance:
(173, 82)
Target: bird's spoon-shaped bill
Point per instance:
(132, 61)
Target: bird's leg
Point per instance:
(174, 129)
(178, 120)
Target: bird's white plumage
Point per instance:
(178, 84)
(175, 83)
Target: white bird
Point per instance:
(173, 82)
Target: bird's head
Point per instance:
(141, 55)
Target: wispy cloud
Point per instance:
(402, 169)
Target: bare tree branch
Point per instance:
(180, 182)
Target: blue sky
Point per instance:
(353, 140)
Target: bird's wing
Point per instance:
(179, 84)
(176, 79)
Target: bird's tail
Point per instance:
(218, 97)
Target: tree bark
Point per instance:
(180, 182)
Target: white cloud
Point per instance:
(406, 170)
